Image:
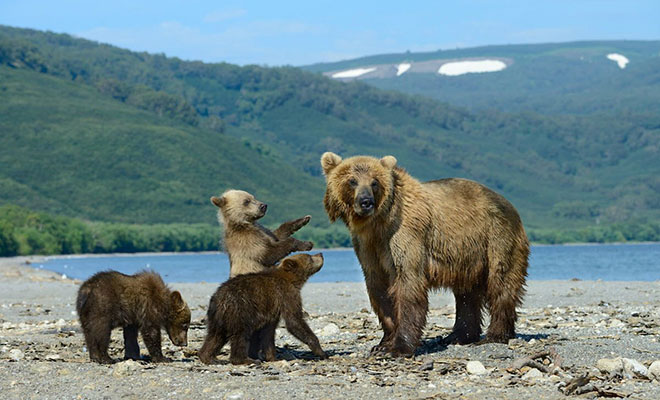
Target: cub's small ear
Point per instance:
(288, 264)
(218, 201)
(177, 300)
(388, 162)
(329, 161)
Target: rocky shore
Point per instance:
(590, 339)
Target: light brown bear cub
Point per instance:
(247, 305)
(250, 246)
(411, 237)
(140, 302)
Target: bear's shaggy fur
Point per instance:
(250, 246)
(140, 302)
(411, 236)
(249, 304)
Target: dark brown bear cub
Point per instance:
(249, 304)
(140, 302)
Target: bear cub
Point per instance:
(250, 246)
(140, 302)
(247, 305)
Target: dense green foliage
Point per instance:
(24, 232)
(92, 131)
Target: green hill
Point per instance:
(549, 78)
(104, 134)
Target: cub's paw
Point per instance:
(305, 246)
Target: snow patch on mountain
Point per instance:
(466, 67)
(402, 68)
(353, 73)
(621, 60)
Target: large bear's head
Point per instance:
(238, 207)
(358, 187)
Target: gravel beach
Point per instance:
(575, 338)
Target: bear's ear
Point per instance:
(218, 201)
(177, 301)
(388, 162)
(329, 161)
(288, 265)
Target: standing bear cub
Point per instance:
(140, 302)
(250, 246)
(411, 237)
(247, 305)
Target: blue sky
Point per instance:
(305, 32)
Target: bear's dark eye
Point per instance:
(352, 182)
(246, 202)
(374, 185)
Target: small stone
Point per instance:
(654, 370)
(616, 323)
(329, 330)
(634, 368)
(53, 357)
(611, 366)
(475, 368)
(63, 371)
(60, 323)
(532, 374)
(16, 355)
(235, 395)
(125, 368)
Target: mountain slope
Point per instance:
(571, 78)
(68, 149)
(211, 126)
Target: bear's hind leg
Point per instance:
(131, 346)
(467, 327)
(239, 349)
(213, 343)
(504, 294)
(97, 336)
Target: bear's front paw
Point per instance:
(380, 350)
(305, 246)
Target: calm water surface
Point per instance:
(609, 262)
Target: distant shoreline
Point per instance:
(171, 253)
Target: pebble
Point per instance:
(16, 354)
(634, 368)
(533, 374)
(611, 366)
(654, 370)
(329, 330)
(235, 395)
(475, 368)
(125, 368)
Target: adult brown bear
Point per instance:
(411, 236)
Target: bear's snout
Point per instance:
(365, 201)
(263, 207)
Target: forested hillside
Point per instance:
(99, 133)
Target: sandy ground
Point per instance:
(564, 329)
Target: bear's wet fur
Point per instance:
(249, 304)
(411, 237)
(137, 303)
(250, 246)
